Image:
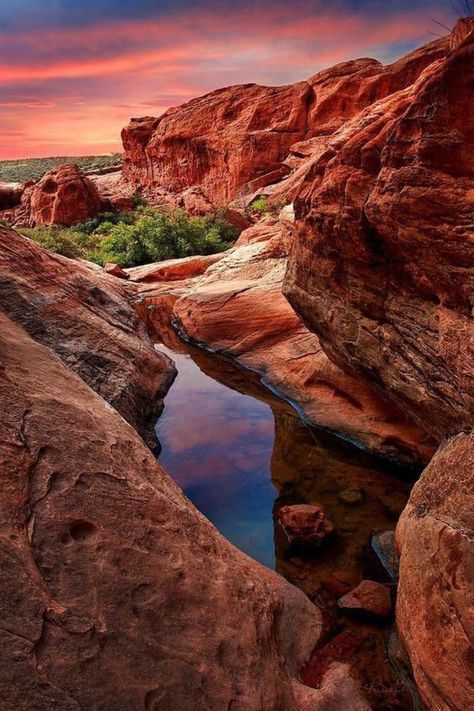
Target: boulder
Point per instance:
(63, 196)
(435, 603)
(116, 270)
(368, 598)
(84, 315)
(305, 526)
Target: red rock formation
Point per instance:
(237, 307)
(115, 270)
(382, 263)
(219, 142)
(369, 597)
(435, 604)
(115, 592)
(241, 139)
(63, 196)
(84, 315)
(113, 193)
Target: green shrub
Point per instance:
(61, 240)
(259, 206)
(148, 235)
(156, 236)
(93, 223)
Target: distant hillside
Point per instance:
(16, 171)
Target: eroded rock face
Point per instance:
(245, 139)
(221, 141)
(382, 264)
(435, 601)
(237, 307)
(115, 591)
(63, 196)
(85, 317)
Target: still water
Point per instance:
(217, 445)
(240, 453)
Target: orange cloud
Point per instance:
(114, 70)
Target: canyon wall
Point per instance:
(115, 591)
(381, 268)
(106, 593)
(381, 264)
(85, 317)
(235, 141)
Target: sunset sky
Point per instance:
(72, 72)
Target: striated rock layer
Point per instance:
(435, 606)
(236, 306)
(85, 317)
(383, 254)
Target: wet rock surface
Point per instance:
(368, 598)
(233, 304)
(305, 526)
(106, 593)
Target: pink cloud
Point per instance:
(119, 66)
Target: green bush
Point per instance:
(260, 206)
(68, 242)
(163, 235)
(148, 235)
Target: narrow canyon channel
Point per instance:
(240, 453)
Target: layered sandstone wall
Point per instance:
(383, 253)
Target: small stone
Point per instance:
(369, 598)
(116, 270)
(305, 525)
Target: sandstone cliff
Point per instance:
(235, 141)
(382, 260)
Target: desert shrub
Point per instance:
(163, 235)
(64, 241)
(131, 239)
(93, 223)
(138, 200)
(259, 206)
(34, 168)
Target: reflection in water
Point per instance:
(217, 444)
(240, 453)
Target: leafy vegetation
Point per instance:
(17, 171)
(260, 206)
(131, 239)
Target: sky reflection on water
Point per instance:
(217, 444)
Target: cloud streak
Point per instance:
(85, 81)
